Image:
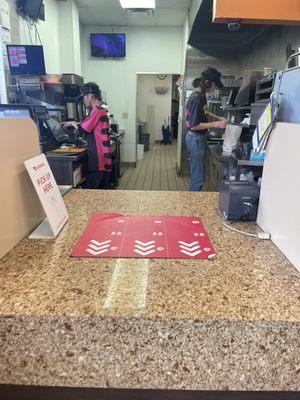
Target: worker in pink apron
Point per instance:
(96, 127)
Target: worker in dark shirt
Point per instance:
(197, 124)
(96, 127)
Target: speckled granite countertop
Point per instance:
(231, 323)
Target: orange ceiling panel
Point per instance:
(258, 11)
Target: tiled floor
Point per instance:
(155, 172)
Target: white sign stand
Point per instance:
(50, 197)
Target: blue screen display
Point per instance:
(26, 60)
(108, 45)
(15, 111)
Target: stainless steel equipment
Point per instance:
(246, 93)
(34, 90)
(287, 94)
(72, 79)
(59, 95)
(72, 110)
(72, 86)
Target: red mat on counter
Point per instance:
(119, 236)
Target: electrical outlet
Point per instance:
(125, 115)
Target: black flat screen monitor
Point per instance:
(29, 8)
(16, 111)
(108, 45)
(57, 130)
(26, 60)
(40, 113)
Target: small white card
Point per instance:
(49, 195)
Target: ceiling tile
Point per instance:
(109, 12)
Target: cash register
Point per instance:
(65, 151)
(68, 167)
(52, 134)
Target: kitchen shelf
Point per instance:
(237, 108)
(264, 87)
(250, 163)
(268, 90)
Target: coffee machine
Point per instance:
(72, 84)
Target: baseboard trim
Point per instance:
(128, 164)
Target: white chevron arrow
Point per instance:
(142, 248)
(144, 253)
(96, 253)
(188, 244)
(92, 246)
(100, 243)
(190, 249)
(145, 244)
(195, 253)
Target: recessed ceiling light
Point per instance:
(137, 3)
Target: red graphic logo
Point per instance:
(37, 167)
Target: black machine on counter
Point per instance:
(238, 200)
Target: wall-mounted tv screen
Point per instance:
(108, 45)
(29, 8)
(26, 60)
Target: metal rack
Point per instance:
(264, 87)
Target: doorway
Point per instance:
(157, 113)
(157, 105)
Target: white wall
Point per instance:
(146, 96)
(69, 32)
(193, 11)
(149, 50)
(76, 40)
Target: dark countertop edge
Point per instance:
(155, 318)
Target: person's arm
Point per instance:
(208, 125)
(70, 124)
(215, 116)
(98, 114)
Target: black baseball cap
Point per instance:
(88, 88)
(212, 75)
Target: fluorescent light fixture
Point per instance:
(137, 3)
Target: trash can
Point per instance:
(166, 137)
(140, 151)
(144, 139)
